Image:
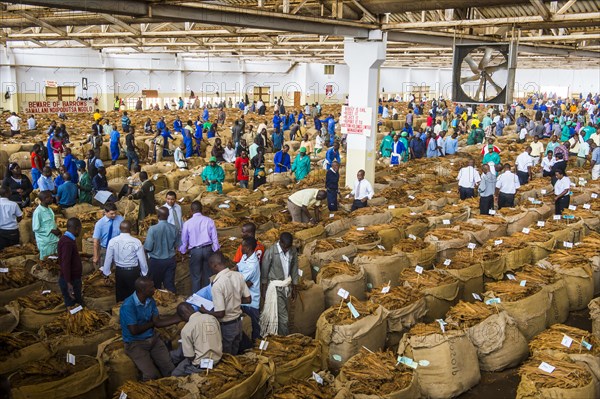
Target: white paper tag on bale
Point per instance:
(525, 230)
(3, 269)
(346, 259)
(227, 201)
(541, 223)
(360, 229)
(263, 345)
(530, 199)
(316, 268)
(264, 199)
(412, 236)
(52, 257)
(385, 289)
(353, 310)
(123, 395)
(442, 323)
(510, 276)
(523, 283)
(419, 269)
(477, 296)
(411, 197)
(594, 195)
(413, 213)
(300, 272)
(232, 238)
(543, 192)
(379, 246)
(256, 189)
(331, 215)
(587, 206)
(556, 217)
(224, 206)
(317, 378)
(206, 364)
(492, 212)
(572, 207)
(498, 242)
(391, 206)
(343, 293)
(447, 262)
(77, 309)
(567, 244)
(546, 367)
(566, 341)
(472, 245)
(445, 221)
(337, 358)
(71, 358)
(45, 292)
(493, 301)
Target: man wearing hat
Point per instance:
(301, 166)
(492, 159)
(213, 176)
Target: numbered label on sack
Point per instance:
(572, 207)
(493, 301)
(385, 289)
(477, 296)
(543, 192)
(525, 230)
(316, 268)
(343, 293)
(447, 262)
(407, 361)
(594, 195)
(546, 367)
(71, 358)
(123, 395)
(510, 276)
(206, 364)
(445, 221)
(232, 238)
(226, 201)
(586, 345)
(264, 199)
(353, 310)
(587, 206)
(419, 269)
(317, 378)
(411, 197)
(337, 358)
(530, 199)
(381, 247)
(472, 245)
(413, 213)
(498, 242)
(566, 341)
(492, 212)
(331, 215)
(345, 258)
(3, 269)
(77, 309)
(412, 236)
(523, 283)
(442, 323)
(52, 257)
(263, 345)
(360, 229)
(541, 223)
(567, 244)
(300, 272)
(556, 217)
(391, 206)
(45, 292)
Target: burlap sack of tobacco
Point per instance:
(159, 167)
(529, 312)
(496, 224)
(102, 303)
(515, 258)
(441, 298)
(78, 209)
(447, 242)
(322, 258)
(355, 284)
(594, 307)
(183, 281)
(86, 345)
(87, 383)
(453, 364)
(9, 317)
(26, 231)
(578, 281)
(540, 250)
(375, 218)
(116, 172)
(19, 358)
(389, 237)
(381, 269)
(187, 183)
(22, 158)
(340, 342)
(470, 278)
(417, 251)
(303, 237)
(279, 179)
(499, 342)
(337, 226)
(437, 220)
(33, 319)
(245, 196)
(120, 366)
(558, 312)
(9, 294)
(174, 178)
(48, 278)
(128, 208)
(304, 311)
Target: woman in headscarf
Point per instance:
(19, 184)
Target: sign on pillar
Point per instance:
(356, 120)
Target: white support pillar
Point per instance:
(363, 59)
(8, 81)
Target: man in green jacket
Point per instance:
(85, 184)
(301, 165)
(213, 175)
(493, 157)
(385, 148)
(472, 138)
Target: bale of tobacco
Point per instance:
(336, 275)
(295, 356)
(381, 266)
(441, 290)
(541, 243)
(120, 367)
(527, 304)
(39, 308)
(492, 262)
(468, 273)
(370, 375)
(447, 363)
(20, 348)
(494, 334)
(546, 376)
(307, 389)
(16, 282)
(304, 311)
(406, 307)
(342, 334)
(370, 215)
(321, 252)
(98, 293)
(447, 241)
(418, 251)
(362, 238)
(9, 317)
(594, 307)
(589, 247)
(515, 250)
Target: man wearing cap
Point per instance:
(301, 166)
(299, 203)
(213, 176)
(492, 159)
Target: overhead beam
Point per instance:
(51, 28)
(542, 9)
(566, 7)
(299, 6)
(121, 24)
(364, 10)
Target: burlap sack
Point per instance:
(416, 229)
(438, 220)
(594, 307)
(529, 313)
(322, 258)
(515, 259)
(175, 177)
(22, 158)
(10, 320)
(355, 285)
(447, 248)
(303, 237)
(340, 343)
(10, 148)
(337, 226)
(440, 299)
(528, 390)
(129, 209)
(116, 172)
(558, 312)
(470, 279)
(183, 281)
(88, 383)
(26, 231)
(87, 345)
(368, 220)
(382, 269)
(423, 257)
(400, 320)
(540, 250)
(389, 237)
(499, 343)
(279, 179)
(494, 267)
(579, 284)
(33, 320)
(48, 278)
(17, 359)
(120, 367)
(11, 294)
(78, 209)
(189, 182)
(300, 368)
(104, 303)
(453, 364)
(497, 229)
(305, 310)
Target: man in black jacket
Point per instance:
(146, 197)
(332, 179)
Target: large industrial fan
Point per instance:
(482, 73)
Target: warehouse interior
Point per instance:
(333, 199)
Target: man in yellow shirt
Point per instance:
(299, 202)
(537, 149)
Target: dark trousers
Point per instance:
(523, 177)
(547, 174)
(332, 200)
(231, 336)
(151, 357)
(485, 204)
(8, 238)
(132, 158)
(162, 272)
(357, 204)
(258, 181)
(466, 192)
(254, 317)
(562, 203)
(199, 270)
(506, 200)
(76, 291)
(125, 282)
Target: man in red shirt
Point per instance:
(241, 166)
(249, 230)
(36, 165)
(69, 279)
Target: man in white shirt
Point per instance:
(583, 151)
(562, 188)
(547, 164)
(15, 124)
(31, 123)
(506, 188)
(537, 149)
(179, 157)
(129, 257)
(200, 339)
(299, 203)
(249, 266)
(468, 178)
(10, 216)
(175, 215)
(524, 164)
(362, 192)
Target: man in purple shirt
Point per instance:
(199, 236)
